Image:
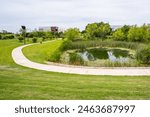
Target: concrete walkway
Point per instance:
(20, 59)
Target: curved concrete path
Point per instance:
(20, 59)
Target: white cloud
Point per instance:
(71, 13)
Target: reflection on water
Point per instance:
(87, 56)
(107, 54)
(112, 58)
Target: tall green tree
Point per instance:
(148, 32)
(119, 35)
(125, 29)
(138, 34)
(72, 34)
(98, 30)
(104, 29)
(23, 32)
(91, 30)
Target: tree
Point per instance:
(119, 35)
(138, 34)
(48, 34)
(91, 30)
(125, 29)
(104, 29)
(98, 30)
(23, 33)
(37, 34)
(30, 35)
(72, 34)
(148, 32)
(149, 35)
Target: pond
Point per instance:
(100, 57)
(113, 55)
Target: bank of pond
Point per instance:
(104, 54)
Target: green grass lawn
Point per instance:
(42, 52)
(18, 82)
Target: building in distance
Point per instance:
(50, 29)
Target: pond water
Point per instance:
(114, 55)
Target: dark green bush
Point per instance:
(143, 55)
(8, 36)
(29, 35)
(20, 38)
(34, 40)
(44, 38)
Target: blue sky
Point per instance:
(71, 13)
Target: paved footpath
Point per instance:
(20, 59)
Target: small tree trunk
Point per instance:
(24, 40)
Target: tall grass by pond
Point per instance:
(107, 63)
(98, 43)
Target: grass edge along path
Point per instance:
(41, 55)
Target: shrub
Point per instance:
(55, 57)
(143, 55)
(34, 40)
(30, 35)
(8, 36)
(11, 36)
(20, 38)
(72, 34)
(44, 38)
(65, 45)
(76, 59)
